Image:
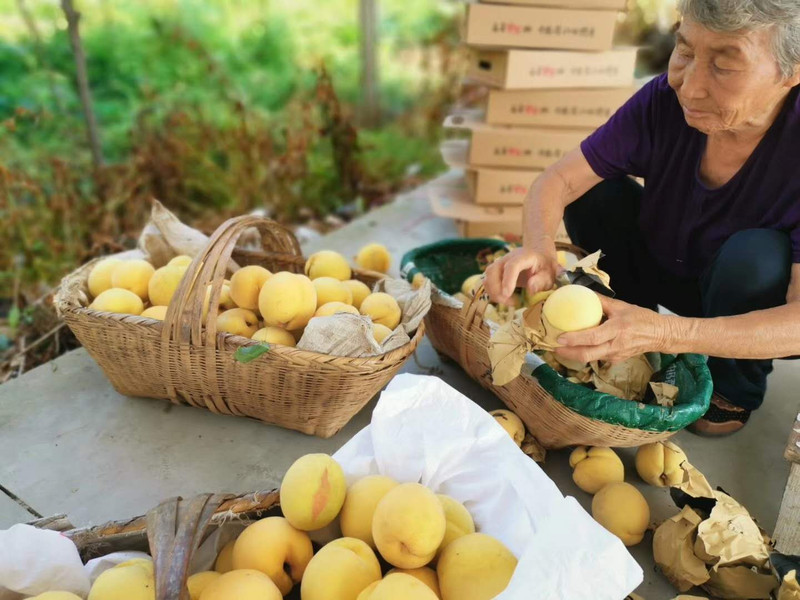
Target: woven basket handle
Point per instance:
(184, 320)
(175, 528)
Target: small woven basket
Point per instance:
(185, 360)
(463, 336)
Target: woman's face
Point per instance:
(725, 81)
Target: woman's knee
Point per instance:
(750, 272)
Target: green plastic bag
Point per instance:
(448, 263)
(686, 371)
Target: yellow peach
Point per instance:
(199, 581)
(621, 508)
(224, 562)
(274, 335)
(459, 521)
(313, 491)
(342, 569)
(409, 525)
(330, 289)
(358, 289)
(327, 263)
(382, 308)
(424, 574)
(132, 275)
(164, 283)
(374, 257)
(331, 308)
(100, 276)
(511, 423)
(246, 285)
(158, 313)
(243, 584)
(287, 300)
(475, 567)
(275, 548)
(238, 321)
(117, 300)
(593, 468)
(380, 332)
(359, 506)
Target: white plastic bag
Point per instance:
(34, 561)
(425, 431)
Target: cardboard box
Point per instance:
(521, 148)
(488, 229)
(503, 187)
(618, 5)
(535, 27)
(555, 108)
(541, 69)
(452, 202)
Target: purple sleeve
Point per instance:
(624, 145)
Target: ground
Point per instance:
(73, 445)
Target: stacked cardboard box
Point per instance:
(554, 76)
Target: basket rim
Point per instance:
(67, 304)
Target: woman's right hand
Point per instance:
(530, 269)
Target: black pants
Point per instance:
(750, 272)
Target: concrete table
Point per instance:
(72, 445)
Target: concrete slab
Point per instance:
(11, 512)
(78, 447)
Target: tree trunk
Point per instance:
(73, 17)
(370, 101)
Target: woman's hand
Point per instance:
(533, 270)
(629, 331)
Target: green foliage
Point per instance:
(216, 108)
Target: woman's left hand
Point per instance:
(629, 331)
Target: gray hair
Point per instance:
(735, 15)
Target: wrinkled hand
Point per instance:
(629, 331)
(522, 267)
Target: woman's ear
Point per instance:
(794, 80)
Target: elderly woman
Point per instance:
(714, 235)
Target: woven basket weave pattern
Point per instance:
(185, 361)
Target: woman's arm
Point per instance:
(555, 189)
(631, 330)
(534, 265)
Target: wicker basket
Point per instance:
(462, 336)
(188, 362)
(170, 533)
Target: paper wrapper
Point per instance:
(588, 266)
(627, 380)
(744, 583)
(729, 536)
(533, 448)
(510, 344)
(345, 334)
(790, 589)
(665, 393)
(725, 552)
(673, 550)
(165, 236)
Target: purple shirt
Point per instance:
(684, 221)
